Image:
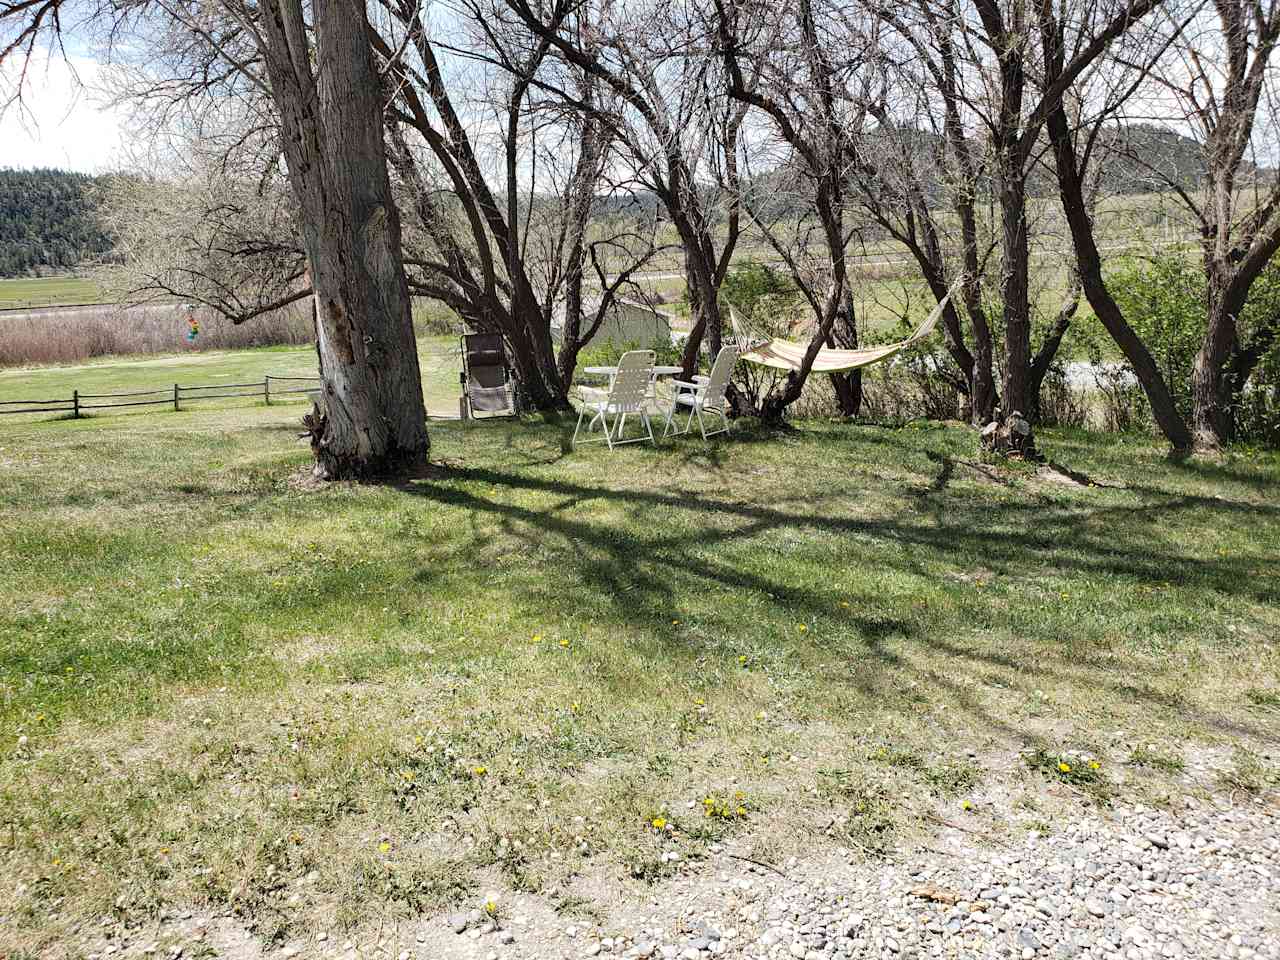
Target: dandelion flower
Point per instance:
(966, 805)
(575, 707)
(658, 823)
(1064, 766)
(1094, 765)
(537, 638)
(384, 847)
(675, 623)
(844, 604)
(480, 771)
(802, 627)
(564, 643)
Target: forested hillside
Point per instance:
(47, 223)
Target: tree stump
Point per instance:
(1009, 436)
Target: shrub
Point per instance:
(1164, 300)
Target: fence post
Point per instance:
(266, 388)
(75, 404)
(175, 396)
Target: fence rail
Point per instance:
(173, 396)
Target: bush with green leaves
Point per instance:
(1165, 301)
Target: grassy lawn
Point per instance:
(223, 689)
(437, 356)
(48, 291)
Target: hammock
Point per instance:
(789, 355)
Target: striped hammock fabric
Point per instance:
(787, 355)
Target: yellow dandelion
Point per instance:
(480, 771)
(1064, 766)
(743, 660)
(802, 627)
(675, 623)
(742, 811)
(564, 643)
(844, 604)
(966, 805)
(575, 707)
(384, 847)
(56, 862)
(658, 823)
(537, 638)
(408, 774)
(1094, 765)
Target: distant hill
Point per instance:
(47, 223)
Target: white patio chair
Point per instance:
(704, 395)
(628, 393)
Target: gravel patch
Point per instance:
(1129, 883)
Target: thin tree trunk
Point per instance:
(374, 420)
(1089, 264)
(1015, 288)
(1211, 421)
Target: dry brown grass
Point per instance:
(76, 334)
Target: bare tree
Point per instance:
(983, 59)
(503, 250)
(807, 73)
(1213, 73)
(672, 118)
(318, 72)
(202, 225)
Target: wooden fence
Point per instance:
(173, 396)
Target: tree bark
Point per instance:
(373, 421)
(1089, 264)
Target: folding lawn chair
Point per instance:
(487, 386)
(628, 393)
(704, 395)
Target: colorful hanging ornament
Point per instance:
(193, 328)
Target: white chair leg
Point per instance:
(574, 442)
(608, 431)
(701, 425)
(644, 415)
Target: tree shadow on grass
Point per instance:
(644, 569)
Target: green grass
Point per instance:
(437, 356)
(217, 680)
(48, 291)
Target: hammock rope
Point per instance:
(787, 355)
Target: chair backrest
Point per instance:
(721, 371)
(631, 383)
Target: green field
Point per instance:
(48, 292)
(438, 356)
(232, 693)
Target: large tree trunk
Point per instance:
(373, 421)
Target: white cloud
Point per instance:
(61, 122)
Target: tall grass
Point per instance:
(82, 333)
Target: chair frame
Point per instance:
(628, 394)
(704, 394)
